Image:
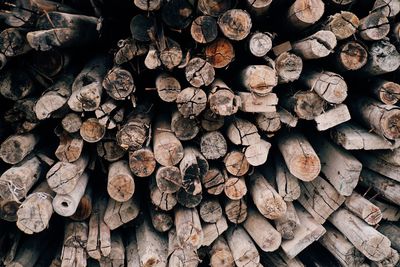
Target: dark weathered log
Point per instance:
(193, 166)
(204, 29)
(288, 67)
(168, 87)
(188, 200)
(363, 208)
(85, 207)
(169, 179)
(220, 53)
(213, 181)
(259, 79)
(110, 114)
(120, 182)
(235, 24)
(389, 212)
(305, 104)
(9, 209)
(343, 24)
(128, 49)
(374, 27)
(236, 210)
(16, 147)
(287, 224)
(304, 13)
(109, 149)
(318, 45)
(210, 121)
(142, 162)
(13, 42)
(279, 258)
(119, 213)
(351, 56)
(119, 83)
(383, 58)
(220, 254)
(392, 232)
(177, 14)
(171, 53)
(142, 27)
(243, 249)
(16, 84)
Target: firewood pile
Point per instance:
(199, 133)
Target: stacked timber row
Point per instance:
(199, 133)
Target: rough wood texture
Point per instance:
(192, 166)
(211, 231)
(242, 132)
(204, 29)
(351, 56)
(120, 183)
(220, 254)
(305, 104)
(191, 101)
(213, 145)
(16, 147)
(161, 220)
(258, 104)
(386, 91)
(213, 181)
(118, 83)
(389, 212)
(184, 128)
(164, 201)
(222, 99)
(235, 24)
(236, 163)
(287, 224)
(178, 255)
(304, 13)
(318, 45)
(242, 247)
(383, 58)
(288, 67)
(199, 72)
(188, 227)
(259, 79)
(142, 162)
(257, 154)
(374, 27)
(220, 53)
(235, 187)
(168, 87)
(74, 247)
(380, 166)
(363, 208)
(392, 232)
(333, 117)
(343, 24)
(287, 184)
(259, 43)
(236, 210)
(119, 213)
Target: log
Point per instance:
(258, 7)
(177, 14)
(236, 210)
(16, 181)
(287, 224)
(279, 258)
(118, 83)
(11, 80)
(213, 145)
(71, 123)
(235, 24)
(210, 210)
(188, 227)
(288, 67)
(99, 236)
(169, 179)
(220, 53)
(259, 43)
(307, 232)
(391, 231)
(266, 199)
(304, 13)
(74, 246)
(305, 104)
(210, 121)
(16, 147)
(192, 166)
(184, 128)
(152, 246)
(70, 147)
(341, 248)
(343, 24)
(180, 256)
(389, 212)
(213, 181)
(243, 249)
(380, 166)
(85, 206)
(386, 91)
(374, 27)
(199, 72)
(258, 104)
(261, 231)
(363, 208)
(365, 238)
(390, 156)
(120, 182)
(383, 58)
(109, 149)
(35, 212)
(142, 162)
(214, 7)
(191, 102)
(204, 29)
(66, 204)
(340, 167)
(109, 114)
(320, 199)
(117, 254)
(351, 56)
(220, 254)
(131, 248)
(235, 187)
(13, 42)
(120, 213)
(170, 55)
(9, 209)
(161, 220)
(242, 132)
(142, 27)
(299, 156)
(147, 5)
(236, 163)
(387, 7)
(128, 49)
(318, 45)
(211, 231)
(92, 130)
(168, 87)
(164, 201)
(257, 154)
(258, 79)
(286, 117)
(286, 183)
(333, 117)
(222, 99)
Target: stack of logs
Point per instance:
(199, 133)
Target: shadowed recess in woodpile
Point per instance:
(184, 133)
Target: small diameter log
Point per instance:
(148, 5)
(74, 247)
(258, 104)
(188, 227)
(267, 200)
(169, 179)
(66, 204)
(9, 209)
(119, 83)
(307, 232)
(213, 181)
(354, 137)
(288, 67)
(87, 87)
(386, 91)
(63, 176)
(213, 145)
(386, 187)
(365, 238)
(318, 45)
(71, 123)
(299, 156)
(210, 210)
(188, 200)
(161, 220)
(389, 212)
(383, 119)
(168, 87)
(70, 148)
(199, 72)
(117, 254)
(305, 104)
(363, 208)
(235, 187)
(236, 163)
(287, 118)
(220, 254)
(374, 27)
(379, 165)
(220, 53)
(142, 162)
(108, 148)
(222, 99)
(333, 117)
(92, 131)
(204, 29)
(328, 85)
(259, 79)
(260, 43)
(193, 166)
(242, 132)
(128, 49)
(320, 199)
(287, 184)
(304, 13)
(391, 231)
(85, 206)
(35, 212)
(261, 231)
(19, 179)
(351, 56)
(16, 79)
(391, 260)
(120, 183)
(341, 248)
(340, 167)
(184, 128)
(388, 8)
(236, 210)
(257, 154)
(164, 201)
(120, 213)
(99, 236)
(235, 24)
(343, 24)
(13, 42)
(242, 247)
(16, 147)
(191, 102)
(287, 224)
(211, 231)
(383, 58)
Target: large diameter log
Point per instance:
(383, 58)
(236, 210)
(318, 45)
(340, 167)
(188, 227)
(343, 24)
(305, 104)
(199, 72)
(287, 224)
(333, 117)
(351, 56)
(262, 232)
(365, 238)
(304, 13)
(242, 132)
(299, 155)
(267, 200)
(242, 247)
(288, 67)
(341, 248)
(320, 199)
(363, 208)
(211, 231)
(220, 254)
(259, 79)
(383, 119)
(120, 213)
(374, 27)
(66, 204)
(16, 147)
(120, 183)
(235, 24)
(19, 179)
(191, 102)
(220, 53)
(74, 247)
(307, 232)
(391, 231)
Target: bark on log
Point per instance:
(318, 45)
(9, 209)
(109, 149)
(380, 166)
(120, 213)
(131, 248)
(287, 224)
(16, 147)
(11, 80)
(243, 249)
(235, 24)
(343, 24)
(128, 49)
(390, 261)
(363, 208)
(304, 13)
(220, 53)
(120, 183)
(142, 27)
(287, 118)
